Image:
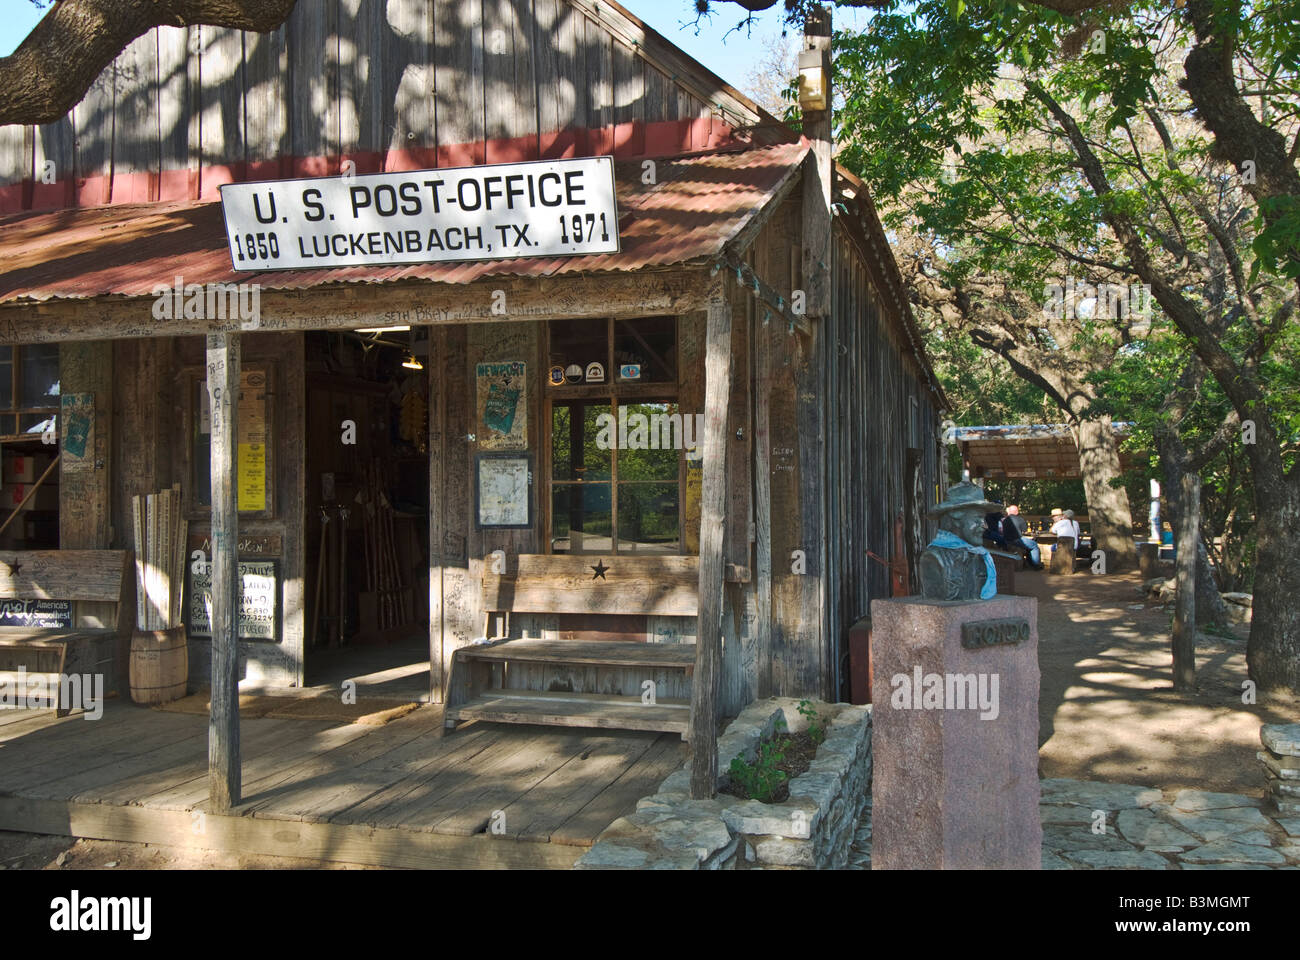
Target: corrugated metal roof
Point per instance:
(697, 204)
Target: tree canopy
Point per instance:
(1031, 164)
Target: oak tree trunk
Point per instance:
(1186, 539)
(1108, 507)
(1210, 608)
(1273, 651)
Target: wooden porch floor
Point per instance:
(399, 795)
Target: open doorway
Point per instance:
(366, 512)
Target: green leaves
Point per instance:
(1277, 247)
(760, 780)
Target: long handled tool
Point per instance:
(320, 577)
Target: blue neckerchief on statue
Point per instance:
(946, 539)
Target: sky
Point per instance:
(730, 59)
(19, 18)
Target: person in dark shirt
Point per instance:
(993, 528)
(1014, 530)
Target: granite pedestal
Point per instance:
(955, 736)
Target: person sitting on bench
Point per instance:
(993, 529)
(1063, 526)
(1014, 528)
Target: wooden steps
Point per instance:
(480, 686)
(601, 653)
(576, 710)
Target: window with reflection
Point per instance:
(616, 437)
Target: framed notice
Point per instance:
(502, 392)
(503, 491)
(259, 596)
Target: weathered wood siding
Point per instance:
(152, 447)
(386, 84)
(878, 409)
(875, 407)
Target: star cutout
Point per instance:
(600, 569)
(13, 568)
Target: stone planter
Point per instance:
(813, 829)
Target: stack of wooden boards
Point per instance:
(160, 530)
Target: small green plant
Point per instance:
(762, 779)
(816, 729)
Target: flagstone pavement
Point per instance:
(1114, 826)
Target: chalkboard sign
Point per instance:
(43, 614)
(259, 607)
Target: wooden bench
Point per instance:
(97, 588)
(480, 682)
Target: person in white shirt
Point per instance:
(1078, 531)
(1064, 527)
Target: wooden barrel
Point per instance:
(160, 665)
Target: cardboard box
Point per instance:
(46, 498)
(25, 468)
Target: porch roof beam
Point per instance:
(638, 293)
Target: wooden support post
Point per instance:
(819, 651)
(817, 174)
(223, 721)
(713, 499)
(437, 510)
(84, 491)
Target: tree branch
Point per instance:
(72, 44)
(1238, 135)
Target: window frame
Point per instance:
(615, 393)
(13, 407)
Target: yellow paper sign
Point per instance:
(252, 476)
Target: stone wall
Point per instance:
(813, 829)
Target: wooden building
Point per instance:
(753, 286)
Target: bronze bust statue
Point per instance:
(956, 566)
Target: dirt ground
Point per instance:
(1107, 710)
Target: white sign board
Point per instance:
(547, 208)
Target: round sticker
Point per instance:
(573, 374)
(557, 376)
